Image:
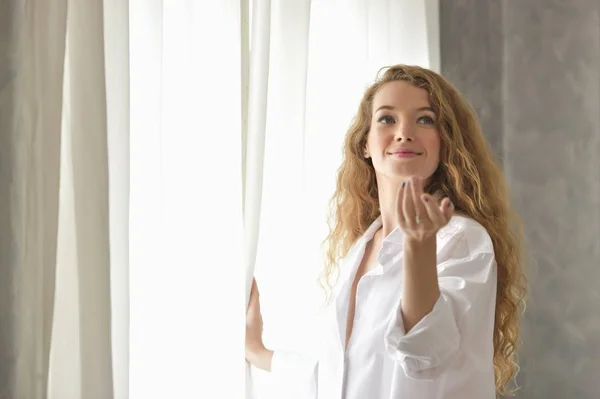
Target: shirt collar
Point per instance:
(391, 246)
(395, 237)
(391, 250)
(368, 235)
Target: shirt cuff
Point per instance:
(428, 345)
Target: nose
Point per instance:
(404, 132)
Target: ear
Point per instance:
(366, 152)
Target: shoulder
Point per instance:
(466, 235)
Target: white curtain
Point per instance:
(322, 56)
(186, 232)
(68, 214)
(89, 349)
(162, 150)
(34, 109)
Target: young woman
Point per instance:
(426, 254)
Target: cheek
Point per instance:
(432, 144)
(376, 143)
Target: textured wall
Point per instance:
(7, 249)
(532, 71)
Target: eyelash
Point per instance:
(431, 121)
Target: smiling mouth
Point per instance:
(406, 154)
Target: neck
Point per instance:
(388, 196)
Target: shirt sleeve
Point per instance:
(465, 277)
(295, 375)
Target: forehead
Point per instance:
(401, 95)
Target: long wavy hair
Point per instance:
(467, 174)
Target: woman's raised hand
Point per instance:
(421, 215)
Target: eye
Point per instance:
(386, 120)
(426, 120)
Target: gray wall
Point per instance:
(7, 233)
(532, 71)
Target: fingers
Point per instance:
(254, 294)
(420, 212)
(417, 192)
(438, 212)
(254, 286)
(254, 324)
(408, 205)
(400, 203)
(434, 212)
(411, 209)
(446, 208)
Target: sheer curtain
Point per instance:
(186, 232)
(122, 132)
(235, 138)
(157, 151)
(314, 88)
(88, 353)
(62, 200)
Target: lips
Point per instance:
(406, 153)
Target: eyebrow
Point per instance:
(389, 107)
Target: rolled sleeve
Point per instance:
(429, 347)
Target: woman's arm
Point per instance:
(420, 216)
(256, 353)
(421, 289)
(462, 316)
(447, 301)
(294, 373)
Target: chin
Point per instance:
(405, 174)
(401, 176)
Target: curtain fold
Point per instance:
(87, 126)
(258, 83)
(117, 67)
(59, 202)
(253, 134)
(34, 190)
(81, 355)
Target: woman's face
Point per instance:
(403, 139)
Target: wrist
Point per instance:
(420, 244)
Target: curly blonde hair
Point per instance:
(467, 174)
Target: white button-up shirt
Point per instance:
(447, 355)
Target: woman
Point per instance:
(429, 286)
